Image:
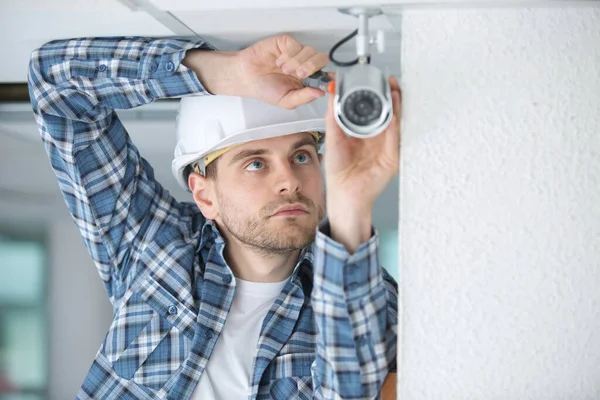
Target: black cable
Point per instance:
(338, 44)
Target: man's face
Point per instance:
(269, 194)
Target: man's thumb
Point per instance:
(299, 97)
(333, 132)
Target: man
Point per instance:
(249, 292)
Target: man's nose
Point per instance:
(288, 181)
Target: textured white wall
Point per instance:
(500, 204)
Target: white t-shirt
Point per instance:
(228, 372)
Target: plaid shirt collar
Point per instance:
(209, 235)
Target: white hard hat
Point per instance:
(209, 123)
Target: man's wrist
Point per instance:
(350, 227)
(216, 70)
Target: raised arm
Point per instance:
(110, 190)
(355, 300)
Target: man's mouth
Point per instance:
(290, 210)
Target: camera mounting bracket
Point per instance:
(362, 38)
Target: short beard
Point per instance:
(252, 232)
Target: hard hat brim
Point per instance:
(180, 163)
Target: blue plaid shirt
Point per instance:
(330, 334)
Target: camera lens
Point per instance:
(362, 107)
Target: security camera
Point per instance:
(363, 101)
(363, 98)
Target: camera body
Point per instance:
(363, 105)
(363, 100)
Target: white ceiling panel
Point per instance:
(26, 25)
(318, 27)
(279, 20)
(70, 6)
(188, 5)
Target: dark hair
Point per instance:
(211, 170)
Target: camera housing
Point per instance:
(363, 100)
(363, 104)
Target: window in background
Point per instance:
(23, 319)
(388, 251)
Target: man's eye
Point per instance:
(302, 158)
(255, 165)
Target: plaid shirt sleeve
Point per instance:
(355, 304)
(75, 86)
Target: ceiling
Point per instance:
(28, 187)
(27, 24)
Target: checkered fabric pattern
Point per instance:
(330, 334)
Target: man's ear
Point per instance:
(203, 190)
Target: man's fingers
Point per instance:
(288, 47)
(305, 63)
(394, 85)
(315, 63)
(333, 133)
(295, 60)
(296, 98)
(397, 102)
(329, 118)
(396, 96)
(393, 131)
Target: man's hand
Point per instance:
(357, 171)
(270, 70)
